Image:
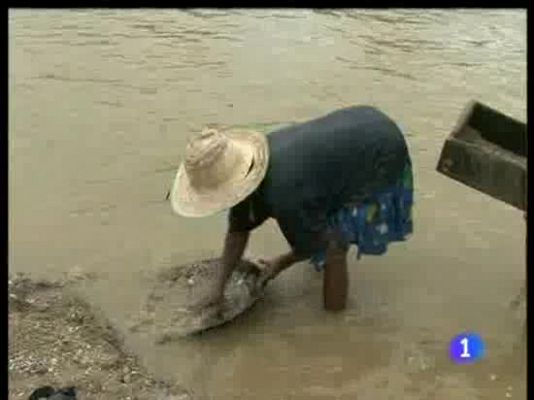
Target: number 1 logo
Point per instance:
(466, 348)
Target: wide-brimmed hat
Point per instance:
(220, 169)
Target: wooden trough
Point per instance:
(488, 152)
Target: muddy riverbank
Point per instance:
(56, 339)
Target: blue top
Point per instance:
(318, 166)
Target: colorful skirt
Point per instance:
(373, 224)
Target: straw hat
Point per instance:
(220, 169)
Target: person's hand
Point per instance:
(267, 269)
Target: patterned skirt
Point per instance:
(386, 217)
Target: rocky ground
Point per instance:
(56, 339)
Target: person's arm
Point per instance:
(235, 244)
(335, 278)
(302, 240)
(278, 264)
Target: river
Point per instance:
(101, 103)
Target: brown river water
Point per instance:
(101, 103)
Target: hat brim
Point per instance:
(188, 202)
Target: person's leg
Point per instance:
(335, 278)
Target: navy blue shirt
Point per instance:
(318, 166)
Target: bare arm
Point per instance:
(335, 278)
(285, 261)
(279, 264)
(235, 244)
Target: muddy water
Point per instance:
(101, 103)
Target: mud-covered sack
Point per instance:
(174, 308)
